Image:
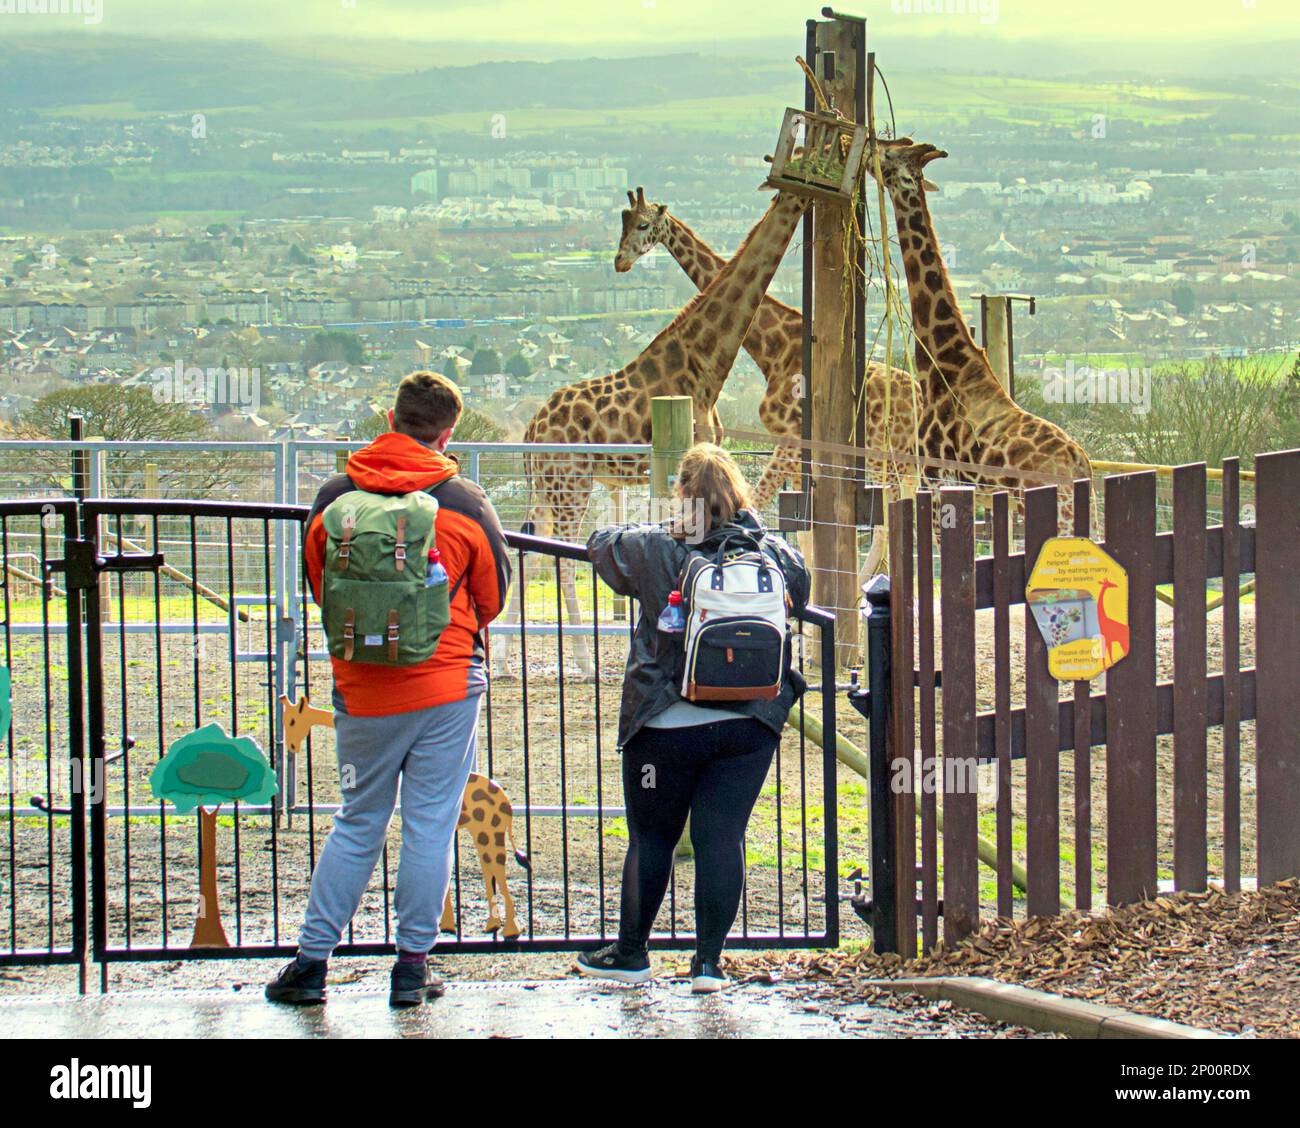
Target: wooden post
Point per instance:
(998, 334)
(672, 431)
(672, 423)
(837, 292)
(995, 314)
(142, 521)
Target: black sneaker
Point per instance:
(301, 982)
(411, 983)
(610, 963)
(706, 977)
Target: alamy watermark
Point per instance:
(687, 518)
(943, 775)
(986, 11)
(91, 11)
(1082, 384)
(78, 1081)
(208, 387)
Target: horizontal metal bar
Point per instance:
(486, 944)
(165, 507)
(38, 957)
(265, 447)
(146, 627)
(37, 506)
(139, 811)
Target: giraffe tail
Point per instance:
(520, 856)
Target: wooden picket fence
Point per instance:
(935, 721)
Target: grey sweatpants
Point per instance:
(431, 751)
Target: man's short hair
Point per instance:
(426, 405)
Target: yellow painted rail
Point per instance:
(1213, 473)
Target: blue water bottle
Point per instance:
(434, 573)
(672, 619)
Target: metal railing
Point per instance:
(206, 626)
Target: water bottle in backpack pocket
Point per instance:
(736, 643)
(670, 630)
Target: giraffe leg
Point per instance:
(875, 554)
(502, 644)
(568, 526)
(489, 886)
(552, 489)
(448, 923)
(511, 929)
(713, 427)
(779, 420)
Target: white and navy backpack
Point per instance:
(737, 639)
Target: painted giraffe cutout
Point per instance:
(968, 415)
(485, 814)
(488, 819)
(691, 357)
(775, 341)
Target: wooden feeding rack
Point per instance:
(827, 163)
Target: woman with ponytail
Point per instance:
(684, 760)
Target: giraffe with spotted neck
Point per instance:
(775, 341)
(968, 415)
(691, 357)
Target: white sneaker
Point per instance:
(706, 978)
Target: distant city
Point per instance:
(176, 240)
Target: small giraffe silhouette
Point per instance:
(485, 813)
(1113, 633)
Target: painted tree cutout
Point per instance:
(204, 769)
(6, 703)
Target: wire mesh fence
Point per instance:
(291, 473)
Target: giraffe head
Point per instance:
(902, 163)
(644, 225)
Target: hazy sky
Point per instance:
(658, 24)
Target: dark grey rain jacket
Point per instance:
(644, 562)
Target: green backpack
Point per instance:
(374, 604)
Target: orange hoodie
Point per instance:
(472, 544)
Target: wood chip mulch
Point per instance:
(1225, 962)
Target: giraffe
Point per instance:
(968, 416)
(775, 341)
(691, 357)
(485, 814)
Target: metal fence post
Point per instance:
(884, 895)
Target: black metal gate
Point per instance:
(43, 877)
(198, 612)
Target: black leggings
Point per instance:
(713, 773)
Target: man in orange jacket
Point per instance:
(414, 724)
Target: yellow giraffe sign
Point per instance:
(1078, 595)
